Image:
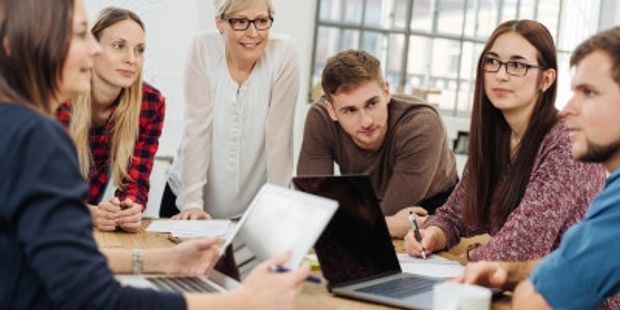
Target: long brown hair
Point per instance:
(126, 116)
(489, 145)
(31, 60)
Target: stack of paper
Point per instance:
(193, 228)
(433, 266)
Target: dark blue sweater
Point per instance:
(48, 257)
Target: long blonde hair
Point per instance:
(126, 116)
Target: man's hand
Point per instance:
(399, 225)
(488, 274)
(505, 275)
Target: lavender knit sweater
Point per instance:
(557, 196)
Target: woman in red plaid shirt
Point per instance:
(117, 126)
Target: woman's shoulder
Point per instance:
(280, 47)
(209, 44)
(151, 96)
(150, 90)
(207, 38)
(557, 148)
(558, 136)
(22, 123)
(15, 113)
(280, 40)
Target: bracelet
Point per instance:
(137, 261)
(471, 247)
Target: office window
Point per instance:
(431, 47)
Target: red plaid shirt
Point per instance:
(151, 123)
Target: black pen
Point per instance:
(310, 278)
(416, 231)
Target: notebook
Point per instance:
(355, 250)
(277, 220)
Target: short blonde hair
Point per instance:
(227, 7)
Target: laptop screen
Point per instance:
(356, 243)
(278, 220)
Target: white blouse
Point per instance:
(236, 137)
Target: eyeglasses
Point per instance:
(514, 68)
(242, 24)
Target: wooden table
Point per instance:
(313, 296)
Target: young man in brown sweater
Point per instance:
(400, 141)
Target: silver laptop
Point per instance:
(277, 220)
(355, 250)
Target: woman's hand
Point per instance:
(192, 214)
(399, 225)
(265, 289)
(104, 215)
(433, 239)
(194, 256)
(129, 218)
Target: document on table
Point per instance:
(433, 266)
(193, 228)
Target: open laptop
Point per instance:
(355, 250)
(277, 220)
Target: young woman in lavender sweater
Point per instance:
(520, 184)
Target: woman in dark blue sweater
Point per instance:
(48, 257)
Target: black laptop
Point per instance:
(355, 250)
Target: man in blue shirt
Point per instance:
(583, 273)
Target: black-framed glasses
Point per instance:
(514, 68)
(242, 24)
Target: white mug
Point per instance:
(455, 296)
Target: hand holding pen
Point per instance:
(416, 231)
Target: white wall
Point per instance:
(610, 14)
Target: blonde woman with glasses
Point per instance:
(116, 127)
(241, 89)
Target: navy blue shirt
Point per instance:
(48, 257)
(585, 269)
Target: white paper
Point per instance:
(433, 266)
(192, 228)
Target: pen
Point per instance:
(416, 231)
(311, 278)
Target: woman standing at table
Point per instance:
(521, 184)
(241, 89)
(116, 127)
(49, 258)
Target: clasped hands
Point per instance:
(113, 214)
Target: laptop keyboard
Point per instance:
(408, 285)
(181, 284)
